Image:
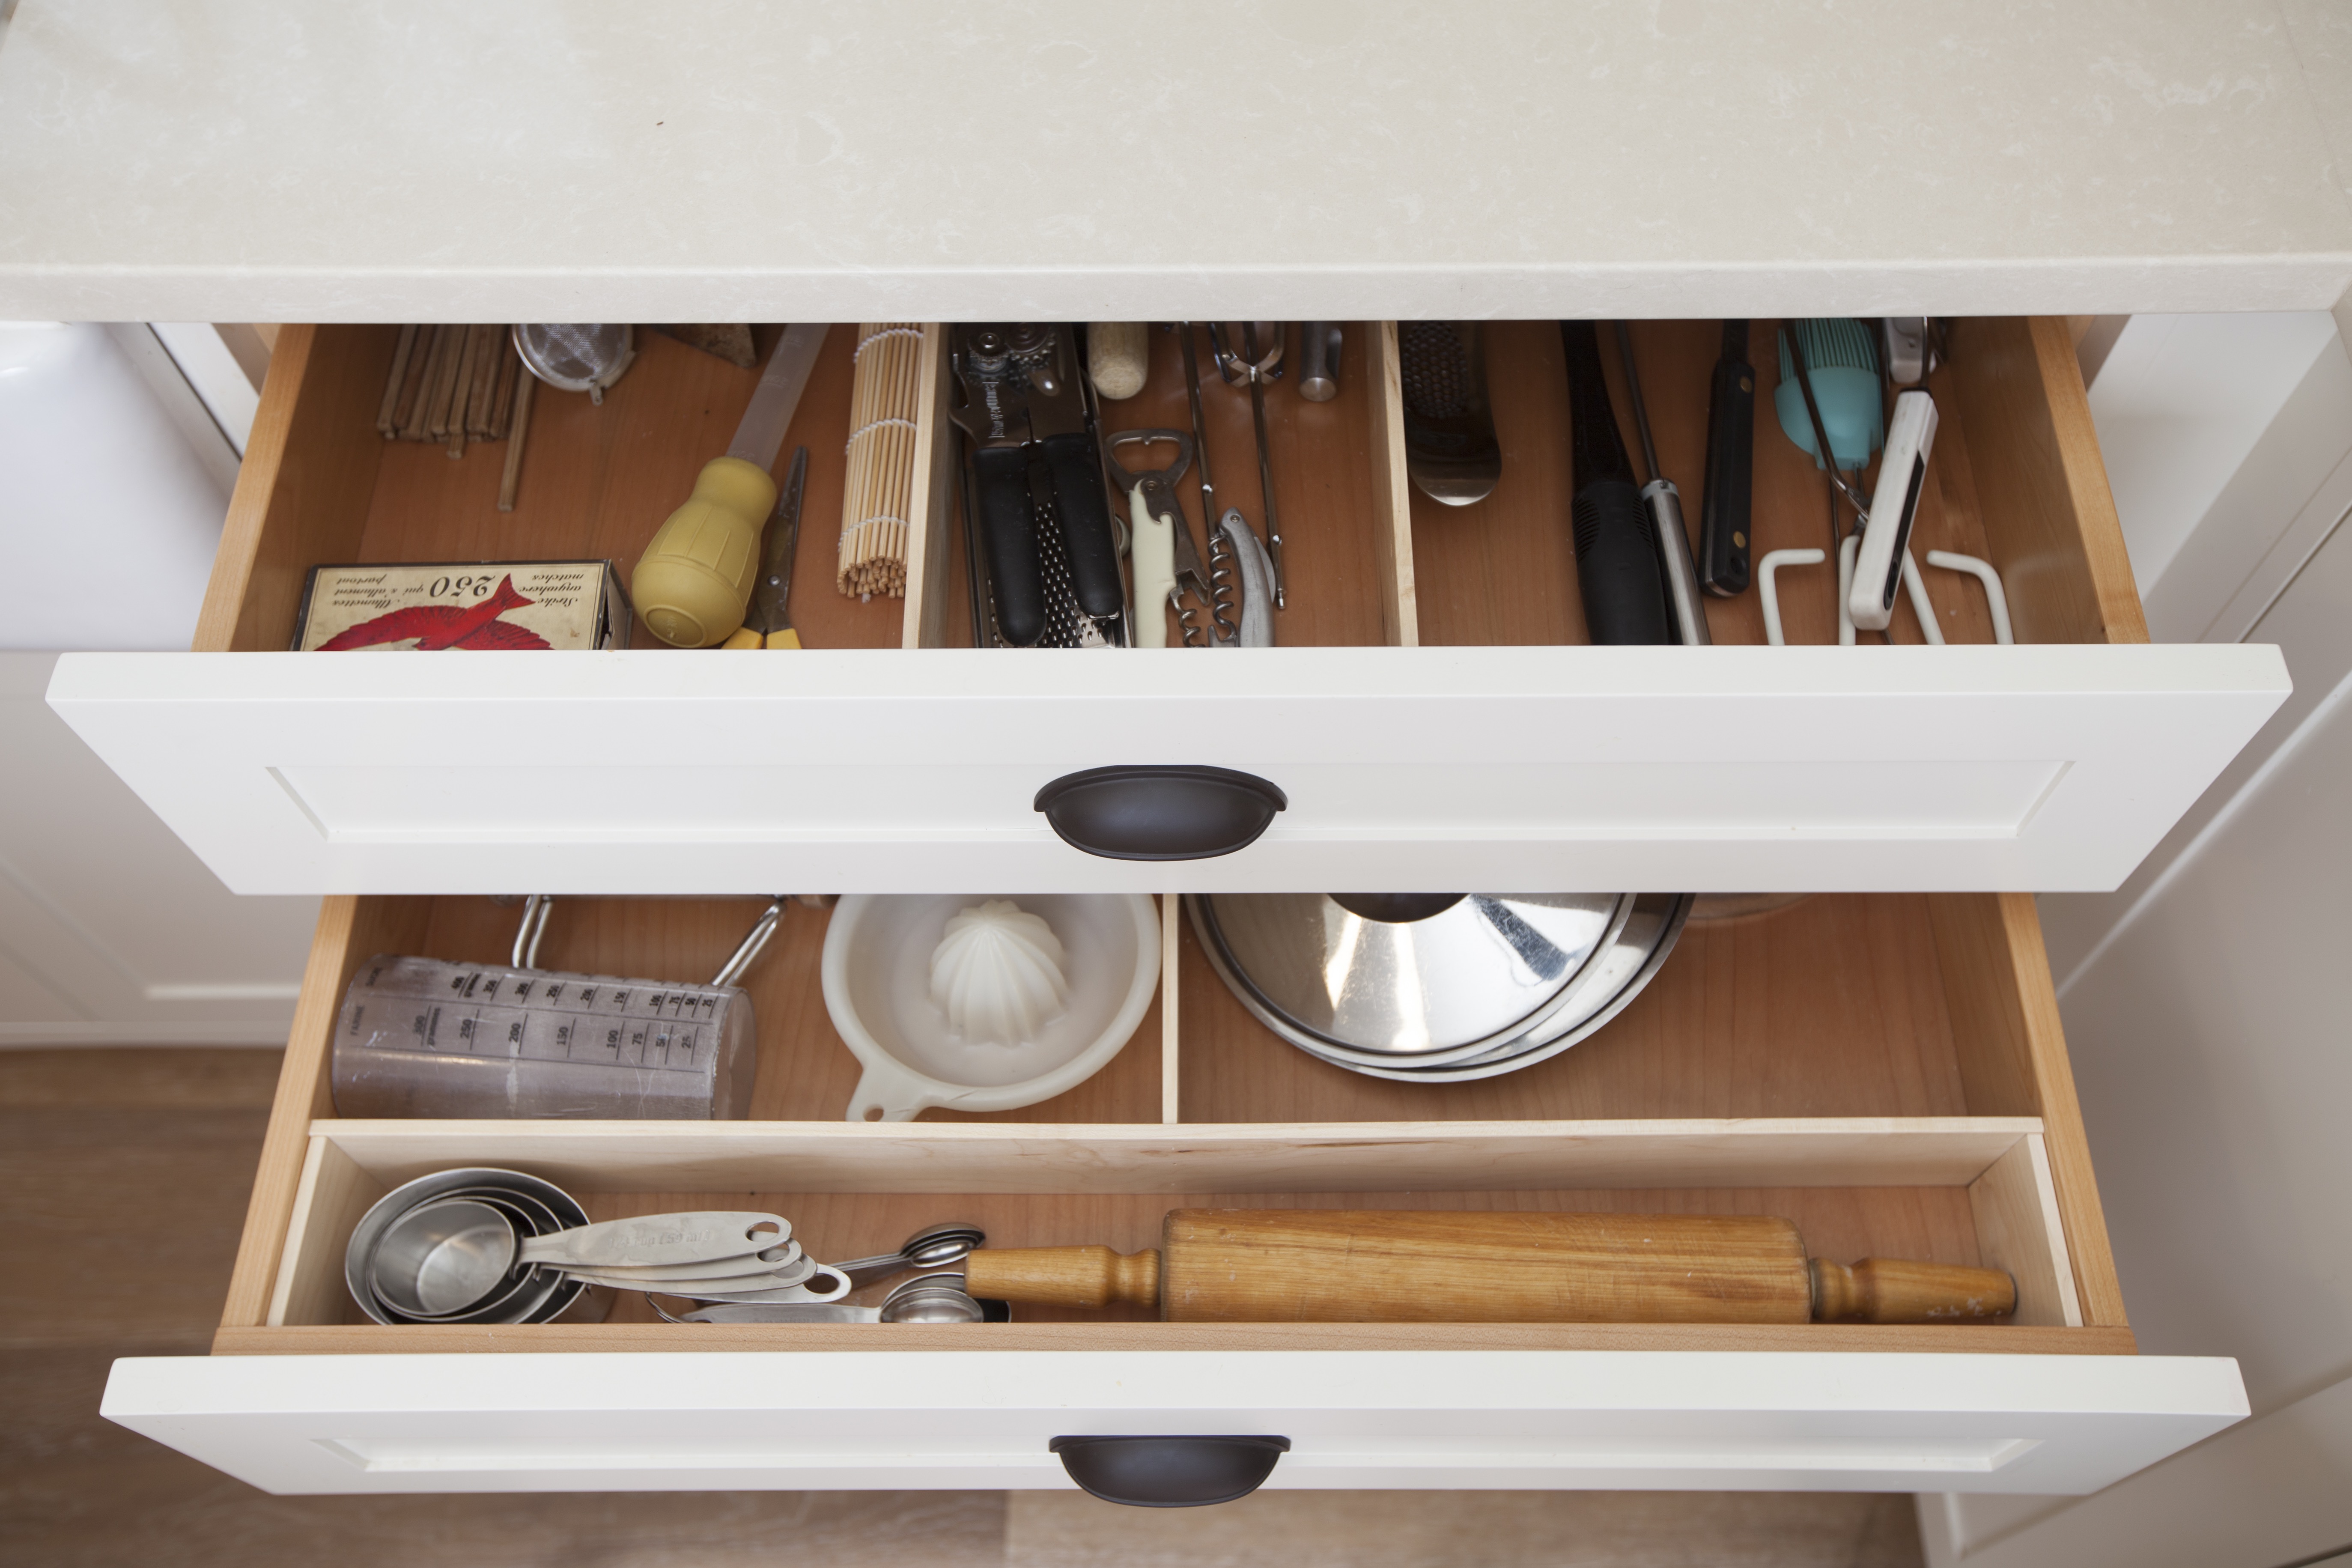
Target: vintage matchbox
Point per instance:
(471, 605)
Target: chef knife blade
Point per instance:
(760, 435)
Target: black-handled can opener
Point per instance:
(1045, 530)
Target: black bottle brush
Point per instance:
(1616, 556)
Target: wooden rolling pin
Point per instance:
(1376, 1266)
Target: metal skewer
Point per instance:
(1264, 467)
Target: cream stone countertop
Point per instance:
(565, 160)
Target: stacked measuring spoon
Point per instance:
(476, 1246)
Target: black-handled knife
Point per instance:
(1723, 519)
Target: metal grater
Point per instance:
(1066, 625)
(1435, 368)
(1449, 447)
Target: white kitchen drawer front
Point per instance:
(694, 1421)
(1412, 769)
(1884, 1071)
(897, 760)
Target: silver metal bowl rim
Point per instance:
(1529, 1050)
(1212, 942)
(1669, 933)
(1585, 1014)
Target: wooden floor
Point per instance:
(126, 1175)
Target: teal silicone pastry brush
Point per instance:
(1844, 358)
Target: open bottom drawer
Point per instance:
(1433, 716)
(1892, 1079)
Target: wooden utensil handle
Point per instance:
(1375, 1266)
(1065, 1276)
(1888, 1290)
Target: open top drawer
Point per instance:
(1433, 716)
(1885, 1071)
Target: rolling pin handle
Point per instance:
(1886, 1291)
(1063, 1276)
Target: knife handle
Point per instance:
(1086, 524)
(1008, 533)
(694, 581)
(745, 638)
(1723, 535)
(1617, 567)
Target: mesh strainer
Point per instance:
(577, 356)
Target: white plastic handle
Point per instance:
(1154, 554)
(886, 1093)
(1921, 605)
(1768, 591)
(1846, 553)
(1952, 561)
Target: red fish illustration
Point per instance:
(438, 627)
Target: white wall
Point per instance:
(109, 515)
(114, 481)
(2205, 1017)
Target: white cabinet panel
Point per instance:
(1959, 768)
(110, 931)
(1769, 1421)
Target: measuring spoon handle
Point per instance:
(698, 1236)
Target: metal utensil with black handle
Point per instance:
(1723, 515)
(1617, 573)
(1665, 503)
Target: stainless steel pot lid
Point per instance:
(1418, 978)
(1607, 988)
